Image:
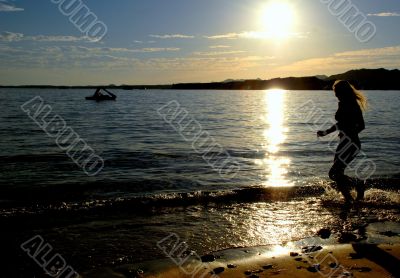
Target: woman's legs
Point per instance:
(346, 151)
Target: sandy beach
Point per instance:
(344, 255)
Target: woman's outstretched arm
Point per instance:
(322, 133)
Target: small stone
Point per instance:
(324, 233)
(218, 270)
(311, 269)
(356, 256)
(254, 276)
(247, 272)
(298, 259)
(294, 254)
(268, 266)
(389, 234)
(314, 268)
(299, 267)
(231, 266)
(333, 265)
(347, 237)
(364, 269)
(313, 248)
(207, 258)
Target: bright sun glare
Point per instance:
(278, 19)
(275, 135)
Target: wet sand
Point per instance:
(305, 258)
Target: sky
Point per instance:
(173, 41)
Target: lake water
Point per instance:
(154, 182)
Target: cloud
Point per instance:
(225, 36)
(142, 50)
(219, 46)
(16, 37)
(252, 35)
(156, 49)
(385, 14)
(11, 37)
(108, 50)
(218, 53)
(172, 36)
(8, 7)
(42, 38)
(142, 42)
(386, 57)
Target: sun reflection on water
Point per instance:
(275, 135)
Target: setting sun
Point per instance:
(277, 19)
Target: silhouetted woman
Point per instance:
(350, 123)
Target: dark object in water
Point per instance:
(98, 96)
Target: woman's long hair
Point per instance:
(345, 91)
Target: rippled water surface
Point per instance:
(154, 182)
(268, 132)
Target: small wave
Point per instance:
(128, 203)
(126, 196)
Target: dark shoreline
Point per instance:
(364, 79)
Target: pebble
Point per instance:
(294, 254)
(333, 265)
(313, 268)
(356, 256)
(231, 266)
(218, 270)
(347, 237)
(207, 258)
(362, 269)
(298, 259)
(268, 266)
(389, 234)
(309, 249)
(365, 269)
(346, 273)
(324, 233)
